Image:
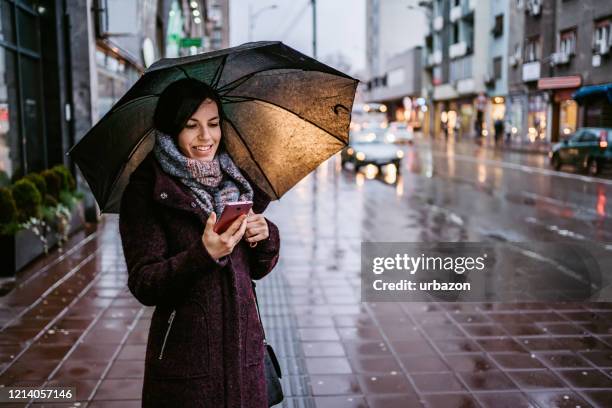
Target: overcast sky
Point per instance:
(340, 26)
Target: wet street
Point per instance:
(71, 320)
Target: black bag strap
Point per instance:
(258, 314)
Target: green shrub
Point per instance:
(28, 200)
(53, 181)
(50, 201)
(8, 208)
(67, 180)
(4, 179)
(39, 182)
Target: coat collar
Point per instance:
(170, 191)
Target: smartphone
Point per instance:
(230, 213)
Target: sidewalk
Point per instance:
(72, 322)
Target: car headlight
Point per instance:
(350, 151)
(400, 154)
(360, 156)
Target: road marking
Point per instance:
(526, 169)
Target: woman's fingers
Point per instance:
(238, 235)
(251, 231)
(236, 225)
(258, 237)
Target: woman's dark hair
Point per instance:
(179, 101)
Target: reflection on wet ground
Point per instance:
(71, 320)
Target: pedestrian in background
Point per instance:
(205, 345)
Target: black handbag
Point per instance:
(272, 369)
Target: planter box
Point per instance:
(16, 251)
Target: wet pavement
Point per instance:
(72, 321)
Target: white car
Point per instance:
(399, 132)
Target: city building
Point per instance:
(558, 52)
(458, 65)
(394, 61)
(582, 58)
(63, 64)
(399, 88)
(530, 54)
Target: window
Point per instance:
(497, 67)
(454, 33)
(498, 28)
(601, 37)
(532, 49)
(567, 42)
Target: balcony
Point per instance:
(531, 71)
(435, 58)
(438, 23)
(457, 50)
(455, 13)
(461, 68)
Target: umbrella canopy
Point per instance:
(285, 114)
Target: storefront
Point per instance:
(537, 122)
(23, 145)
(516, 113)
(564, 113)
(596, 104)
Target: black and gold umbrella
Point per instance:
(286, 113)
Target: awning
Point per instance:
(594, 92)
(561, 82)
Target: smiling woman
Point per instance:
(205, 346)
(201, 136)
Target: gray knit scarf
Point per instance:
(213, 183)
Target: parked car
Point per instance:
(399, 132)
(368, 146)
(589, 149)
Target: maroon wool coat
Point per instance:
(213, 343)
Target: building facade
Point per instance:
(457, 64)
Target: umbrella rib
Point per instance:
(253, 157)
(218, 73)
(230, 86)
(250, 99)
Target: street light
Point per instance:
(253, 16)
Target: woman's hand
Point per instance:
(219, 245)
(256, 228)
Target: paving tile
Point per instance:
(540, 379)
(472, 362)
(385, 384)
(119, 389)
(600, 398)
(490, 380)
(340, 402)
(561, 399)
(436, 382)
(563, 360)
(366, 348)
(334, 385)
(323, 349)
(393, 401)
(328, 365)
(421, 364)
(505, 400)
(517, 360)
(375, 365)
(586, 378)
(450, 401)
